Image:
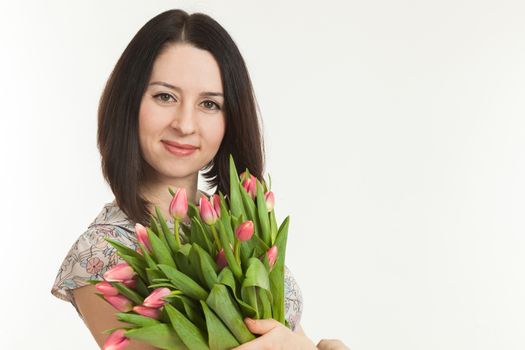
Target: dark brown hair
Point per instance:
(122, 163)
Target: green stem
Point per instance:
(216, 238)
(236, 251)
(176, 229)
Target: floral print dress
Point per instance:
(91, 255)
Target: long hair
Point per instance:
(122, 163)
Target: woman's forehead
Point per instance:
(188, 68)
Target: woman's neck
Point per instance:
(159, 195)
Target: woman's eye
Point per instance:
(163, 97)
(211, 104)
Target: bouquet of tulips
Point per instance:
(194, 293)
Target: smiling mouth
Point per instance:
(178, 151)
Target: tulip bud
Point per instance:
(130, 283)
(269, 198)
(207, 212)
(245, 231)
(120, 273)
(142, 235)
(179, 204)
(217, 204)
(221, 259)
(272, 255)
(147, 311)
(250, 185)
(116, 341)
(119, 302)
(154, 300)
(106, 288)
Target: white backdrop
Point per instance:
(395, 135)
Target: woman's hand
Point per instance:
(331, 344)
(274, 335)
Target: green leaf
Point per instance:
(226, 278)
(208, 266)
(249, 296)
(264, 298)
(256, 275)
(125, 251)
(149, 260)
(195, 264)
(219, 337)
(94, 281)
(161, 336)
(164, 230)
(160, 250)
(192, 310)
(222, 303)
(201, 237)
(111, 330)
(128, 293)
(137, 320)
(262, 212)
(182, 259)
(190, 335)
(273, 227)
(153, 224)
(277, 273)
(235, 196)
(184, 283)
(153, 274)
(250, 210)
(232, 262)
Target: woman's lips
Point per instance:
(180, 145)
(178, 151)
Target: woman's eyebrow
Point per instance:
(173, 87)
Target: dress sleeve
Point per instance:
(293, 299)
(88, 258)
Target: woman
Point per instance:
(178, 101)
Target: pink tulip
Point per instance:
(245, 231)
(272, 255)
(221, 259)
(269, 198)
(147, 311)
(179, 204)
(130, 283)
(119, 302)
(217, 204)
(250, 185)
(116, 341)
(154, 300)
(106, 288)
(142, 235)
(120, 273)
(207, 212)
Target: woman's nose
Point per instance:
(184, 120)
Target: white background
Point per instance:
(395, 137)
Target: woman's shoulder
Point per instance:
(90, 256)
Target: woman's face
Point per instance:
(183, 103)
